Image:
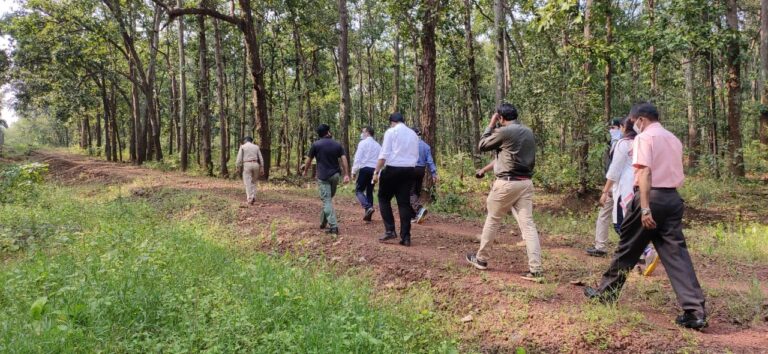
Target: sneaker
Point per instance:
(421, 215)
(536, 277)
(689, 320)
(472, 259)
(368, 214)
(594, 252)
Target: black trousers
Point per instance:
(418, 184)
(667, 209)
(396, 182)
(364, 188)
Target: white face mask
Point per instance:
(615, 134)
(636, 128)
(362, 136)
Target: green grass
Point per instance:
(120, 274)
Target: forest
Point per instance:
(124, 226)
(183, 82)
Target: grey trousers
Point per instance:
(667, 209)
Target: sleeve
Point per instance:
(341, 151)
(239, 160)
(490, 140)
(643, 152)
(312, 152)
(356, 161)
(430, 161)
(386, 148)
(620, 156)
(260, 158)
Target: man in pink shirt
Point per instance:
(655, 215)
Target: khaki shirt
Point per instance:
(249, 152)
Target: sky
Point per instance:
(7, 6)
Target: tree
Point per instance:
(346, 102)
(733, 51)
(499, 25)
(764, 71)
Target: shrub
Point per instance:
(19, 182)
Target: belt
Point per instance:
(252, 161)
(667, 189)
(514, 178)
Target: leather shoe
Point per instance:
(406, 243)
(689, 320)
(594, 252)
(388, 236)
(332, 231)
(602, 297)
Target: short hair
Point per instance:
(369, 129)
(507, 111)
(248, 139)
(396, 117)
(644, 109)
(323, 129)
(615, 122)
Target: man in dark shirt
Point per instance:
(514, 148)
(328, 152)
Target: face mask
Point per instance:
(362, 136)
(636, 128)
(615, 134)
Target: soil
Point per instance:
(506, 311)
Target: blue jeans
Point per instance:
(364, 188)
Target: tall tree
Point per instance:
(764, 71)
(221, 104)
(184, 148)
(428, 46)
(690, 102)
(474, 90)
(346, 101)
(204, 98)
(733, 51)
(499, 28)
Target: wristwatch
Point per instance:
(645, 211)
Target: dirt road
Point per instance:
(506, 312)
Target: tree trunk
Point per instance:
(396, 76)
(204, 99)
(651, 9)
(150, 91)
(734, 90)
(346, 101)
(223, 124)
(581, 126)
(184, 146)
(499, 25)
(428, 111)
(690, 98)
(474, 90)
(608, 78)
(764, 72)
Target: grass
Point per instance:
(123, 274)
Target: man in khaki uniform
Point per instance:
(250, 161)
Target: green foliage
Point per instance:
(135, 280)
(736, 242)
(19, 182)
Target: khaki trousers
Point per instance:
(250, 176)
(603, 224)
(515, 196)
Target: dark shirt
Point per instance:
(515, 150)
(327, 152)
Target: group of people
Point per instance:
(640, 196)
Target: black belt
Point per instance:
(667, 189)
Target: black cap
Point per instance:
(323, 129)
(396, 117)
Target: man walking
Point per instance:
(398, 156)
(366, 157)
(250, 162)
(425, 161)
(655, 215)
(328, 152)
(515, 156)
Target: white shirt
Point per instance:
(623, 175)
(400, 147)
(367, 154)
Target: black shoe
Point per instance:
(406, 243)
(368, 214)
(594, 294)
(472, 259)
(689, 320)
(332, 231)
(536, 277)
(388, 236)
(323, 224)
(594, 252)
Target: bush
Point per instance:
(19, 182)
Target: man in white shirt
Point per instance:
(250, 161)
(397, 161)
(366, 157)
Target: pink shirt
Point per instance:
(658, 149)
